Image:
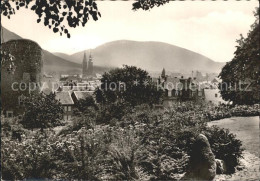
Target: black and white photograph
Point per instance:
(142, 90)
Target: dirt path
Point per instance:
(247, 130)
(249, 170)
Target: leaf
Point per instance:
(22, 4)
(46, 23)
(33, 7)
(55, 30)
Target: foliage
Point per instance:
(7, 60)
(42, 111)
(144, 144)
(112, 113)
(148, 4)
(82, 104)
(92, 154)
(12, 128)
(240, 77)
(53, 13)
(225, 146)
(86, 120)
(30, 158)
(129, 84)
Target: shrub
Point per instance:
(225, 146)
(139, 143)
(28, 159)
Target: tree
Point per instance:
(240, 77)
(53, 13)
(82, 104)
(129, 84)
(85, 113)
(148, 4)
(42, 111)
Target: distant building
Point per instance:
(191, 90)
(99, 76)
(216, 81)
(180, 89)
(64, 97)
(163, 75)
(213, 96)
(47, 76)
(87, 66)
(84, 66)
(198, 76)
(90, 66)
(70, 78)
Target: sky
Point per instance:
(206, 27)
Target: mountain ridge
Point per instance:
(150, 55)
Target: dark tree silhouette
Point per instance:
(42, 111)
(129, 84)
(240, 77)
(148, 4)
(53, 13)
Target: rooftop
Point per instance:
(64, 97)
(83, 94)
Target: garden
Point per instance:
(139, 143)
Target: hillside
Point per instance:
(148, 55)
(51, 62)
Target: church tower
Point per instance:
(90, 65)
(163, 75)
(84, 65)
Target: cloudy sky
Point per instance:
(209, 28)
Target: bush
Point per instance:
(28, 159)
(225, 146)
(138, 143)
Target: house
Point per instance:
(70, 79)
(213, 96)
(180, 89)
(191, 90)
(64, 97)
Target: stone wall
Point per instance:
(28, 61)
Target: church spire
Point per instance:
(163, 75)
(90, 56)
(84, 65)
(90, 64)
